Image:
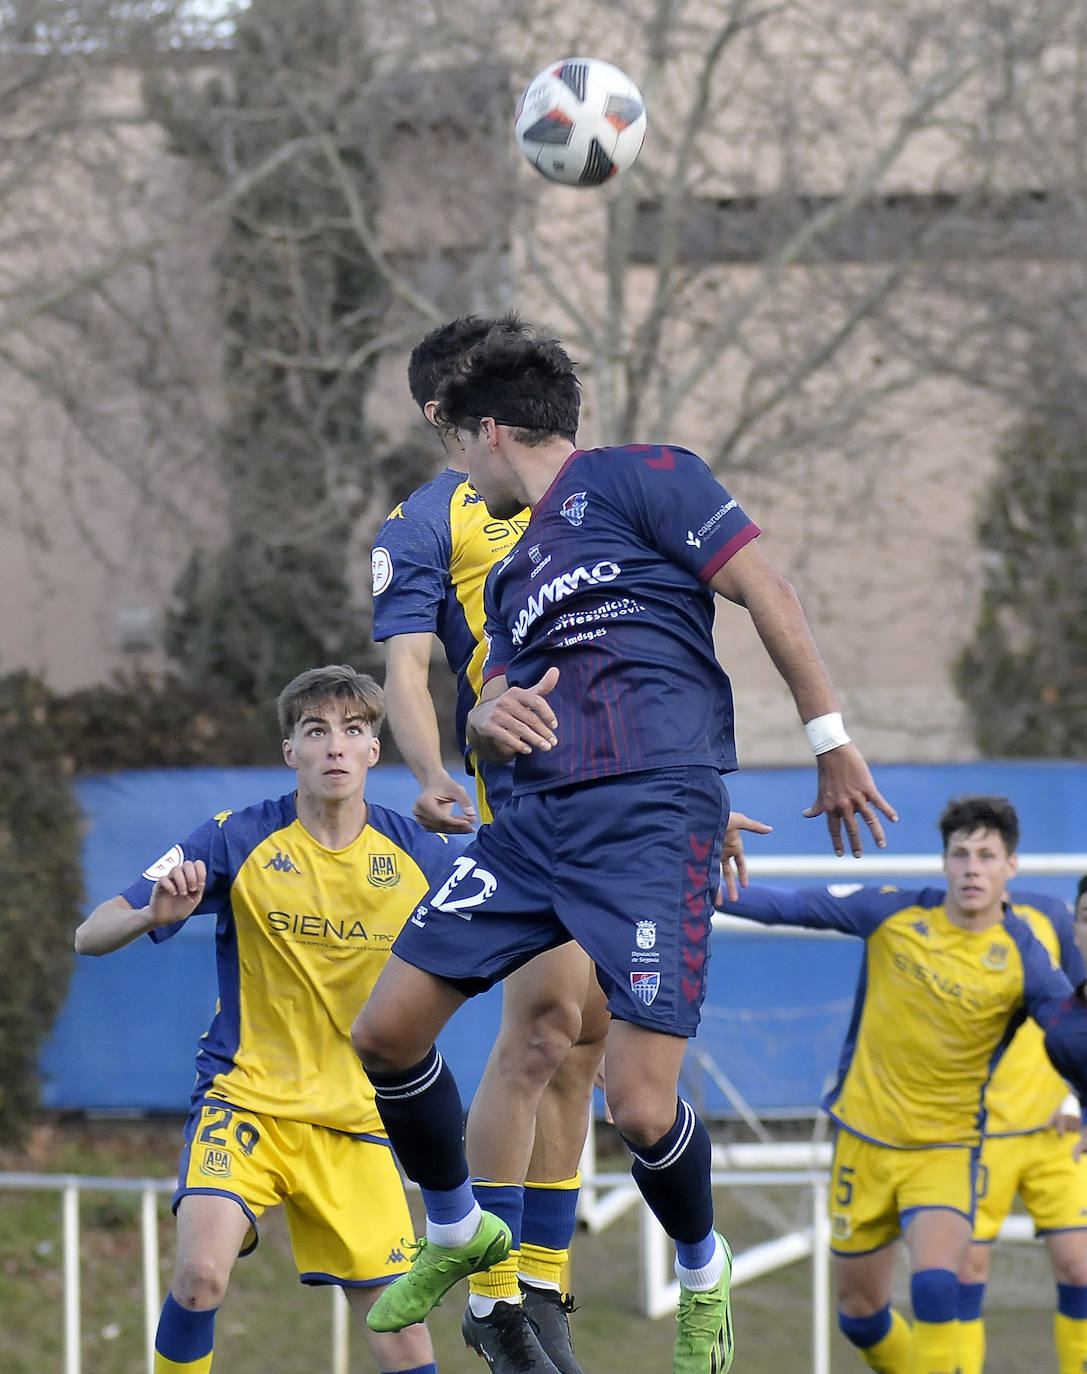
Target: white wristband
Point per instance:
(826, 733)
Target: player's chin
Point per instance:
(503, 507)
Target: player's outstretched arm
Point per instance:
(846, 788)
(733, 860)
(115, 923)
(414, 724)
(1066, 1045)
(508, 721)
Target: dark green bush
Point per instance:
(41, 887)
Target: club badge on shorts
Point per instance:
(645, 986)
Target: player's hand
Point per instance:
(517, 721)
(1064, 1123)
(434, 805)
(846, 791)
(733, 863)
(176, 896)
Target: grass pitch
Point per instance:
(270, 1324)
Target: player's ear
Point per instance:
(430, 410)
(375, 751)
(288, 754)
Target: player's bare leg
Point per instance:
(880, 1334)
(671, 1149)
(530, 1116)
(392, 1350)
(211, 1230)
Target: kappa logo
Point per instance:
(383, 870)
(645, 987)
(921, 926)
(282, 863)
(574, 507)
(471, 498)
(396, 1256)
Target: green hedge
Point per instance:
(41, 887)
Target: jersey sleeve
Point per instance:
(684, 512)
(1066, 1043)
(1045, 988)
(410, 562)
(850, 908)
(206, 843)
(1071, 958)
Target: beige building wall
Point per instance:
(878, 535)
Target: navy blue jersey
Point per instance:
(608, 584)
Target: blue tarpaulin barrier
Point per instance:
(777, 1008)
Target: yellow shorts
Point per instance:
(342, 1194)
(1040, 1168)
(874, 1190)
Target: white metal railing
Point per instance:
(605, 1196)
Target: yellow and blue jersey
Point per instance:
(430, 562)
(935, 1008)
(301, 934)
(1026, 1089)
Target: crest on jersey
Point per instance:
(841, 1228)
(574, 507)
(645, 932)
(383, 870)
(996, 957)
(645, 986)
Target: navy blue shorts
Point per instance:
(626, 866)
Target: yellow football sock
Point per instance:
(972, 1346)
(545, 1267)
(164, 1366)
(935, 1348)
(1070, 1336)
(500, 1281)
(891, 1355)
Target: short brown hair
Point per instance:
(336, 682)
(981, 813)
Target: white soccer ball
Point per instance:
(580, 121)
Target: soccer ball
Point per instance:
(580, 121)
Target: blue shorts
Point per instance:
(626, 866)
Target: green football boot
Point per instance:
(434, 1270)
(704, 1341)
